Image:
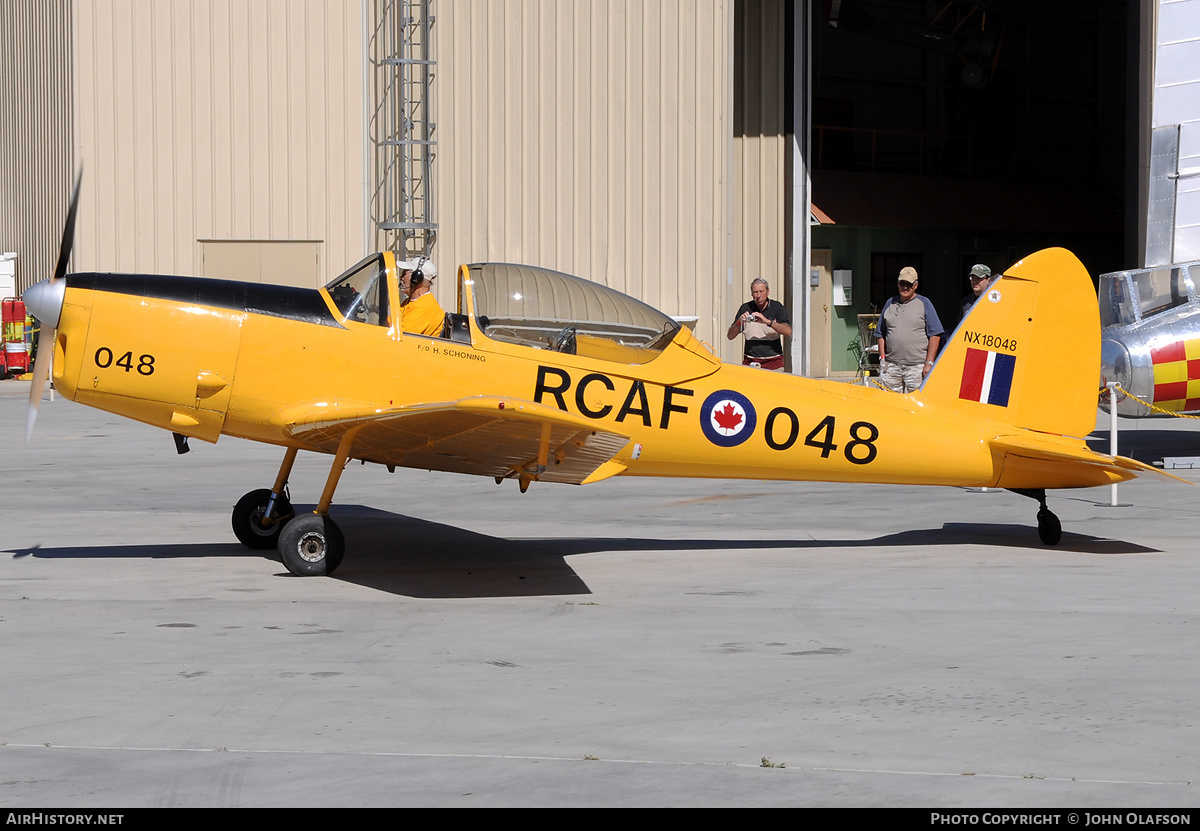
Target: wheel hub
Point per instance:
(258, 525)
(312, 547)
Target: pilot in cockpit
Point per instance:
(420, 313)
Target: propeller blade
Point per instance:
(68, 238)
(41, 370)
(45, 353)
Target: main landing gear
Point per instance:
(310, 544)
(1049, 528)
(257, 521)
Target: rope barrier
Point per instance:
(1147, 404)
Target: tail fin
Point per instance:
(1029, 351)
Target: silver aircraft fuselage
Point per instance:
(1150, 340)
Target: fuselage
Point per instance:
(207, 358)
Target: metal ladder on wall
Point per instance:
(403, 127)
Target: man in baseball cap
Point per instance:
(980, 278)
(909, 332)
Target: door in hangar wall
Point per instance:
(283, 262)
(820, 313)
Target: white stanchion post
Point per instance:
(1112, 430)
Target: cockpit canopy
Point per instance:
(1127, 297)
(547, 309)
(523, 305)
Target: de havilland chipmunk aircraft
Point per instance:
(544, 377)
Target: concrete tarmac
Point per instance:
(635, 642)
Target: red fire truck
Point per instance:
(14, 350)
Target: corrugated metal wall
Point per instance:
(593, 138)
(35, 133)
(217, 119)
(759, 146)
(597, 137)
(1177, 102)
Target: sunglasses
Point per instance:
(905, 285)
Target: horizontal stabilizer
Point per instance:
(1056, 449)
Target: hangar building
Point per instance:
(672, 149)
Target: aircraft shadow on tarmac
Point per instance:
(1148, 445)
(417, 558)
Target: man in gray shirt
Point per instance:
(909, 333)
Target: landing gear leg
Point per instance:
(312, 545)
(1049, 528)
(260, 515)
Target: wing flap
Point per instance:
(482, 435)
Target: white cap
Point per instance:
(422, 264)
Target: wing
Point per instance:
(482, 435)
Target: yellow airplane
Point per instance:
(544, 377)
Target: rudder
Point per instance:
(1028, 353)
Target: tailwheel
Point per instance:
(1049, 528)
(312, 545)
(250, 523)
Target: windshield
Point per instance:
(361, 293)
(1128, 296)
(551, 310)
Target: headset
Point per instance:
(417, 276)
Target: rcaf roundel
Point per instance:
(727, 418)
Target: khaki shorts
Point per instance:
(901, 377)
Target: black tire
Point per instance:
(1049, 528)
(247, 519)
(312, 546)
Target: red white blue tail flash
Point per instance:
(987, 377)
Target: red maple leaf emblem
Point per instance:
(727, 417)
